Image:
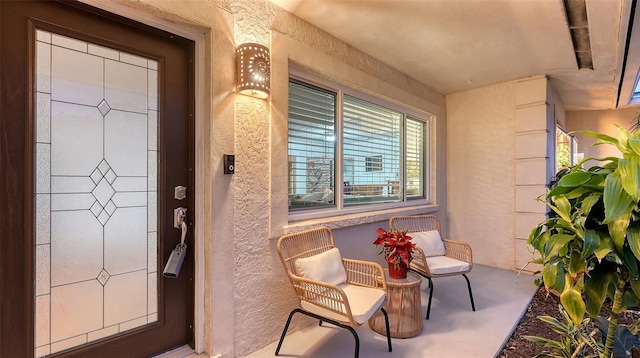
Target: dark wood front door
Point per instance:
(96, 133)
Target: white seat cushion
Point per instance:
(324, 267)
(440, 265)
(364, 302)
(429, 241)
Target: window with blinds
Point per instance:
(415, 158)
(371, 135)
(365, 153)
(311, 146)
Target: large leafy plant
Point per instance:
(590, 243)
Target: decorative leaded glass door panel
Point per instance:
(111, 127)
(96, 193)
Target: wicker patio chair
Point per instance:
(343, 292)
(434, 256)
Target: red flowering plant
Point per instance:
(396, 246)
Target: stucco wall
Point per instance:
(481, 168)
(605, 122)
(215, 103)
(247, 295)
(500, 157)
(294, 42)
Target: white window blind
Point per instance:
(415, 158)
(311, 146)
(372, 135)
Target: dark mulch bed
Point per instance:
(543, 305)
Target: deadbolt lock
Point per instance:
(180, 192)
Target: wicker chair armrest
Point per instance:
(322, 294)
(365, 273)
(419, 261)
(458, 250)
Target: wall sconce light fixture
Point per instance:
(253, 69)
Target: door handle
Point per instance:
(179, 216)
(172, 268)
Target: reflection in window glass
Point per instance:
(565, 147)
(365, 153)
(372, 136)
(415, 160)
(311, 146)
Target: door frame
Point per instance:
(197, 146)
(199, 150)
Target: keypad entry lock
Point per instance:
(172, 268)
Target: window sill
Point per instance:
(352, 219)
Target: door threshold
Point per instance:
(180, 352)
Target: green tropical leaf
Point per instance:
(562, 224)
(596, 184)
(557, 244)
(572, 302)
(616, 199)
(606, 168)
(591, 243)
(556, 325)
(595, 289)
(589, 202)
(537, 339)
(633, 238)
(623, 138)
(603, 137)
(534, 236)
(558, 190)
(618, 228)
(634, 145)
(562, 207)
(577, 265)
(543, 239)
(629, 261)
(577, 192)
(553, 276)
(549, 274)
(538, 260)
(574, 179)
(629, 169)
(629, 299)
(605, 247)
(594, 188)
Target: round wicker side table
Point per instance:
(404, 307)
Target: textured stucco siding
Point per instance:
(606, 122)
(481, 172)
(247, 295)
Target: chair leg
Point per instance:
(355, 336)
(473, 306)
(386, 323)
(286, 327)
(430, 286)
(321, 319)
(430, 296)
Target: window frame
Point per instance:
(301, 76)
(572, 146)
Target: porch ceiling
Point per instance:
(456, 45)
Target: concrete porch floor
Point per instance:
(453, 330)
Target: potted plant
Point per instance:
(397, 248)
(590, 243)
